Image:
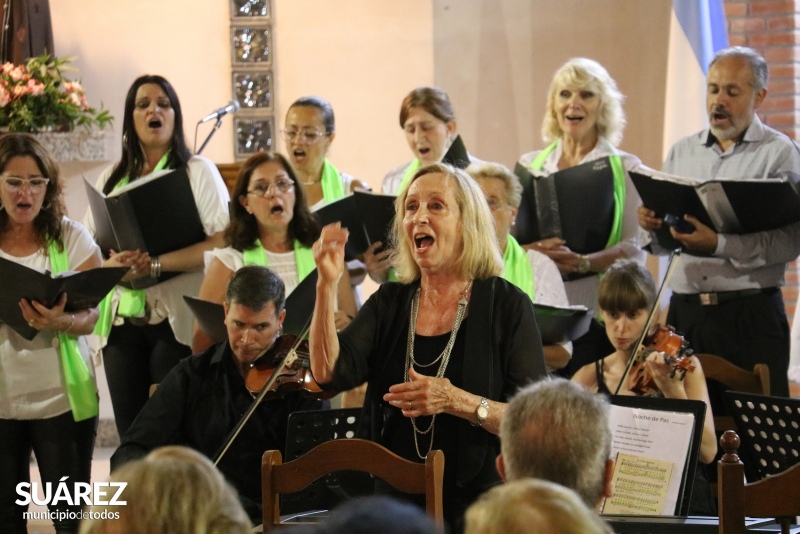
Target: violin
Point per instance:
(656, 338)
(293, 376)
(676, 353)
(283, 369)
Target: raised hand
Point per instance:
(329, 252)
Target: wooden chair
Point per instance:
(775, 496)
(352, 455)
(735, 378)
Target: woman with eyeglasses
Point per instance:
(150, 330)
(272, 226)
(310, 130)
(36, 412)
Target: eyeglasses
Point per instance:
(263, 188)
(309, 136)
(13, 184)
(495, 203)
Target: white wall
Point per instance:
(118, 41)
(362, 55)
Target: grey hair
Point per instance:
(513, 188)
(758, 65)
(558, 431)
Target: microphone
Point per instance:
(230, 107)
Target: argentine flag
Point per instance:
(697, 30)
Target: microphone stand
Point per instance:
(211, 133)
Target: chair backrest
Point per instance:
(735, 378)
(775, 496)
(352, 455)
(304, 431)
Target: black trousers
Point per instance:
(134, 358)
(745, 331)
(63, 448)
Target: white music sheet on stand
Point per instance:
(656, 434)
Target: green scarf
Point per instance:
(132, 301)
(619, 190)
(412, 168)
(303, 257)
(332, 187)
(81, 389)
(517, 267)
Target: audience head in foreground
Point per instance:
(173, 489)
(381, 514)
(558, 431)
(532, 506)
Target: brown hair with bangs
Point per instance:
(626, 287)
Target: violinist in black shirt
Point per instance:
(204, 397)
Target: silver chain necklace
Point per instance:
(444, 357)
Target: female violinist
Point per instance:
(626, 295)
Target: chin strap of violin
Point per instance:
(673, 262)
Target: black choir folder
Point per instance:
(457, 154)
(299, 308)
(559, 325)
(727, 206)
(85, 289)
(156, 214)
(367, 216)
(576, 205)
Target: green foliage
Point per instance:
(38, 97)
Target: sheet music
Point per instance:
(659, 439)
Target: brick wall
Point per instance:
(773, 28)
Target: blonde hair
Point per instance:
(531, 505)
(173, 489)
(587, 74)
(480, 256)
(513, 188)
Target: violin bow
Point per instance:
(289, 359)
(673, 262)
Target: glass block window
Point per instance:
(253, 90)
(251, 45)
(253, 135)
(251, 8)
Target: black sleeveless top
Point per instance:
(599, 367)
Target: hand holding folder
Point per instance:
(724, 205)
(155, 214)
(367, 216)
(85, 289)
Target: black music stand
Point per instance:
(306, 430)
(769, 428)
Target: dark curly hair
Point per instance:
(242, 231)
(132, 161)
(47, 224)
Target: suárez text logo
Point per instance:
(79, 493)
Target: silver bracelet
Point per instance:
(155, 267)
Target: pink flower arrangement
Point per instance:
(38, 97)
